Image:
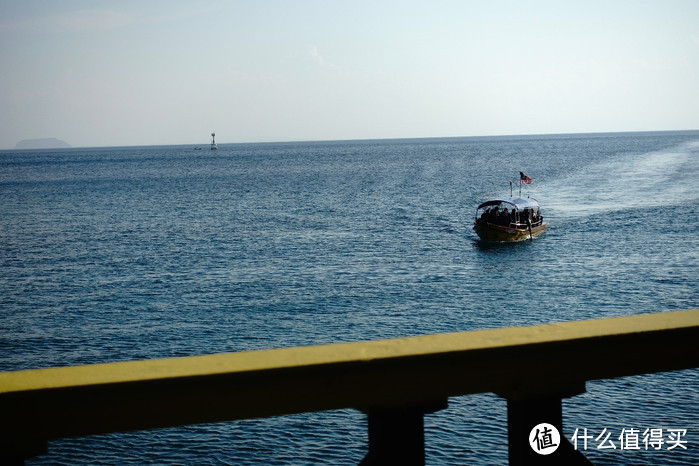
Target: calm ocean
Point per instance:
(132, 253)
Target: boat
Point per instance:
(509, 219)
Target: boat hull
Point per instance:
(491, 232)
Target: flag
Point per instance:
(524, 179)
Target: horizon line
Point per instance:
(308, 141)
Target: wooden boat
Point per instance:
(509, 219)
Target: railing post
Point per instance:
(20, 451)
(11, 460)
(397, 435)
(523, 415)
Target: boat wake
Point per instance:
(630, 181)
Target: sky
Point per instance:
(105, 73)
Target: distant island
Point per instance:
(42, 143)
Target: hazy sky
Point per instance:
(97, 73)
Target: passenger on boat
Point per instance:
(503, 217)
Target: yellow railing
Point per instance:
(394, 381)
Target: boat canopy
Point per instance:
(517, 202)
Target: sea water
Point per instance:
(118, 254)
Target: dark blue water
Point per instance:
(132, 253)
